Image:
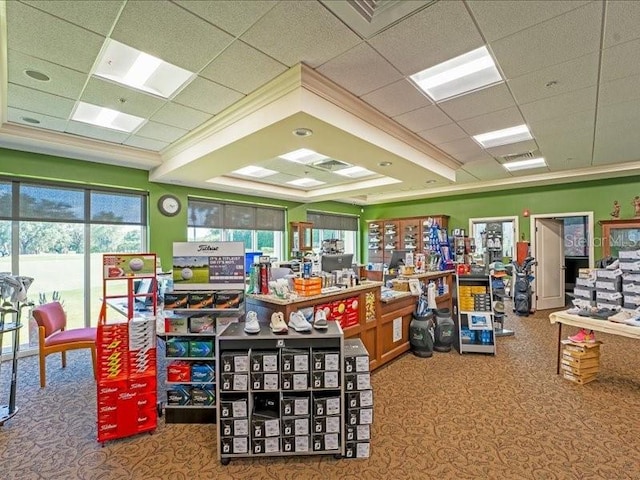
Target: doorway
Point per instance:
(557, 240)
(505, 227)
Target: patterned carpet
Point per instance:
(446, 417)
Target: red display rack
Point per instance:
(126, 363)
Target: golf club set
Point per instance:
(13, 298)
(522, 278)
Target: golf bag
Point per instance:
(522, 286)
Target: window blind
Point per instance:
(211, 214)
(329, 221)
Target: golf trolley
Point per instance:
(521, 287)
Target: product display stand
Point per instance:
(9, 410)
(358, 400)
(475, 314)
(126, 363)
(280, 395)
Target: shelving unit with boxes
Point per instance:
(194, 312)
(280, 394)
(358, 400)
(475, 314)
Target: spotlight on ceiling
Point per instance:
(303, 132)
(385, 164)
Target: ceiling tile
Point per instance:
(306, 32)
(463, 176)
(513, 148)
(50, 123)
(568, 164)
(622, 22)
(207, 96)
(557, 148)
(229, 15)
(397, 98)
(617, 143)
(86, 130)
(462, 149)
(180, 116)
(360, 70)
(64, 81)
(39, 102)
(582, 121)
(478, 103)
(509, 117)
(108, 94)
(146, 143)
(621, 90)
(42, 35)
(498, 19)
(560, 105)
(242, 68)
(621, 61)
(487, 169)
(443, 134)
(170, 33)
(572, 75)
(158, 131)
(423, 118)
(625, 113)
(437, 33)
(562, 38)
(95, 16)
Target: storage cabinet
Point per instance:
(280, 394)
(300, 238)
(475, 314)
(619, 234)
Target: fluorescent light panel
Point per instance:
(525, 164)
(133, 68)
(459, 75)
(306, 182)
(355, 172)
(106, 117)
(304, 156)
(505, 136)
(255, 172)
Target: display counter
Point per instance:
(380, 321)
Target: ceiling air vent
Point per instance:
(365, 8)
(331, 165)
(515, 157)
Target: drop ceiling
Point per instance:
(263, 69)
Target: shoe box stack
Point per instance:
(580, 361)
(630, 266)
(608, 288)
(358, 400)
(585, 289)
(474, 298)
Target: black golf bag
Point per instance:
(521, 294)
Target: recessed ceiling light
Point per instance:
(385, 164)
(428, 182)
(355, 172)
(303, 132)
(525, 164)
(31, 120)
(304, 156)
(504, 136)
(36, 75)
(306, 182)
(128, 66)
(255, 172)
(459, 75)
(106, 117)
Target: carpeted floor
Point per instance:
(447, 417)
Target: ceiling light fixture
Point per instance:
(429, 182)
(131, 67)
(303, 132)
(355, 172)
(459, 75)
(36, 75)
(525, 164)
(304, 156)
(385, 164)
(106, 117)
(505, 136)
(306, 182)
(254, 171)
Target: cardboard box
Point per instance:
(176, 325)
(179, 371)
(202, 323)
(199, 300)
(231, 299)
(177, 347)
(175, 300)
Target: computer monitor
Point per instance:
(329, 263)
(398, 258)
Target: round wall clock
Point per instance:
(169, 205)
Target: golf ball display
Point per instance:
(187, 273)
(136, 264)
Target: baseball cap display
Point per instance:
(498, 307)
(498, 269)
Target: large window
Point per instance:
(260, 228)
(506, 228)
(576, 237)
(328, 226)
(56, 234)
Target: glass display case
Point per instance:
(300, 238)
(619, 234)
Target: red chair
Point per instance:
(52, 321)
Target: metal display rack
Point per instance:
(475, 317)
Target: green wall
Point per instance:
(596, 196)
(163, 231)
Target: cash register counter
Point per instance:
(381, 321)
